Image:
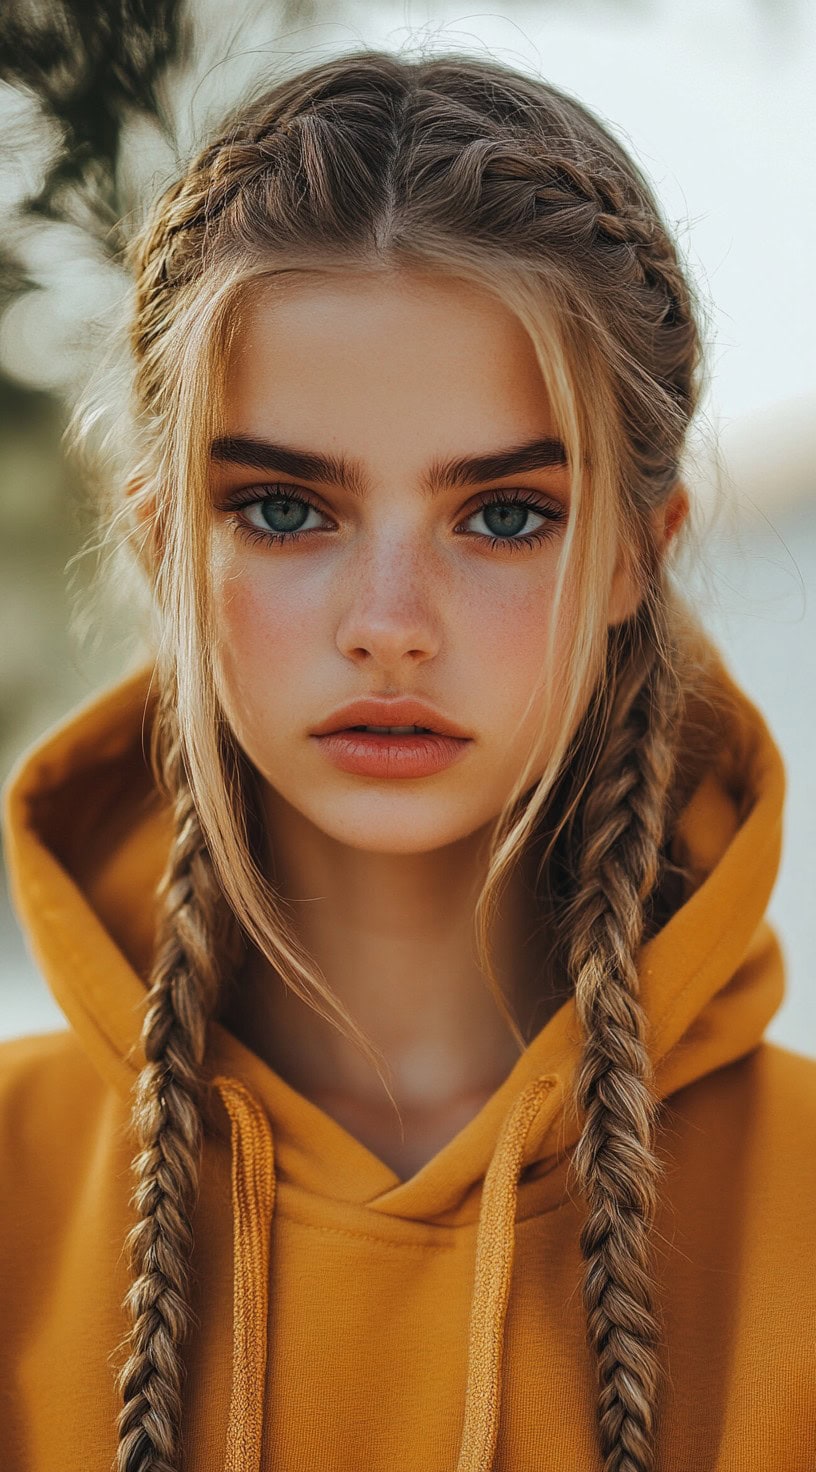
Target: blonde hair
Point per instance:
(462, 167)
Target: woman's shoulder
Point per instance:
(27, 1058)
(50, 1098)
(770, 1086)
(746, 1130)
(781, 1079)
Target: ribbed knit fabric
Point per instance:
(253, 1201)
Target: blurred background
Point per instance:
(715, 100)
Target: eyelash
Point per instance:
(283, 492)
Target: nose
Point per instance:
(388, 614)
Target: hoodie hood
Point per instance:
(86, 838)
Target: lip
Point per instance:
(401, 711)
(365, 754)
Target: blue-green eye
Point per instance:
(507, 515)
(283, 515)
(281, 518)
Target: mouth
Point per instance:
(393, 730)
(409, 716)
(391, 751)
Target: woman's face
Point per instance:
(389, 590)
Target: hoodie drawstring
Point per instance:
(253, 1203)
(495, 1246)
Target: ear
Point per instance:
(670, 516)
(667, 520)
(145, 514)
(134, 484)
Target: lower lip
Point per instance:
(368, 755)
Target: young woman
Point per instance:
(408, 905)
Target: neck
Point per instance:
(393, 936)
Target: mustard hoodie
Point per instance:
(348, 1320)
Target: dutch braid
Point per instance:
(184, 988)
(614, 1162)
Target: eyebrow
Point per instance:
(467, 470)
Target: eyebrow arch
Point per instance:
(261, 454)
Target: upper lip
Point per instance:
(403, 711)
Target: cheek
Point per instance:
(262, 631)
(506, 636)
(507, 642)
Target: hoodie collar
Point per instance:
(86, 837)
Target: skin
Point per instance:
(385, 597)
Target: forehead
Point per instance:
(419, 363)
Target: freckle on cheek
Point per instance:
(261, 627)
(243, 603)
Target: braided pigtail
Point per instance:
(192, 935)
(623, 821)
